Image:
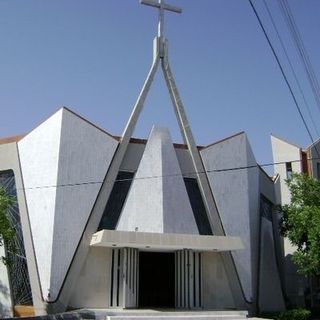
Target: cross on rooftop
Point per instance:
(161, 5)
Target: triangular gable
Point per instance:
(158, 201)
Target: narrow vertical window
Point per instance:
(289, 170)
(318, 170)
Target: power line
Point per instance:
(288, 17)
(283, 74)
(291, 67)
(171, 175)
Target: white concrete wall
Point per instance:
(39, 154)
(84, 156)
(7, 153)
(93, 286)
(237, 197)
(9, 159)
(68, 152)
(283, 151)
(158, 200)
(216, 291)
(5, 291)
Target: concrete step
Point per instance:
(142, 314)
(176, 317)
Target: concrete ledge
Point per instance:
(167, 241)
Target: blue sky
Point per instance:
(93, 56)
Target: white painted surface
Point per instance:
(92, 289)
(69, 152)
(216, 289)
(5, 292)
(158, 201)
(237, 197)
(282, 152)
(84, 156)
(39, 154)
(165, 241)
(9, 159)
(270, 293)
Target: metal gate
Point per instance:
(188, 279)
(124, 278)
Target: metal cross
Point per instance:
(161, 5)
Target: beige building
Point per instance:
(290, 158)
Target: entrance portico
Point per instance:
(158, 270)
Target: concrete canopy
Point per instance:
(164, 241)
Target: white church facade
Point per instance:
(151, 242)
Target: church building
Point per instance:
(121, 222)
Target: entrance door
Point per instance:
(157, 279)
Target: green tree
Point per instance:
(301, 223)
(7, 232)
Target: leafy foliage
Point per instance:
(294, 314)
(301, 222)
(7, 232)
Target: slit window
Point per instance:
(289, 170)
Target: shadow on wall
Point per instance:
(296, 284)
(5, 294)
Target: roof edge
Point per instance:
(11, 139)
(224, 139)
(286, 141)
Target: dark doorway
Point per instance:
(156, 279)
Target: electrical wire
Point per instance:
(288, 17)
(291, 67)
(283, 74)
(185, 174)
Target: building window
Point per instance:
(18, 270)
(289, 170)
(266, 208)
(318, 170)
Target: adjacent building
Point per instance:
(290, 158)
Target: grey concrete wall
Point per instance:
(185, 163)
(93, 286)
(267, 187)
(216, 290)
(314, 151)
(270, 291)
(133, 156)
(271, 190)
(237, 196)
